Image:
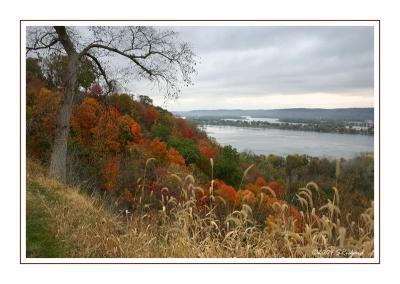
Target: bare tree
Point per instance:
(152, 54)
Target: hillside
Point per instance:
(352, 114)
(65, 221)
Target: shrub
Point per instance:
(188, 149)
(227, 166)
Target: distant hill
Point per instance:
(354, 114)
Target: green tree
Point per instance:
(162, 130)
(145, 100)
(227, 166)
(188, 149)
(33, 69)
(55, 68)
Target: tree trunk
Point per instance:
(58, 161)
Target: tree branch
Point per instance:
(45, 46)
(102, 71)
(44, 39)
(132, 57)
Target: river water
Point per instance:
(284, 142)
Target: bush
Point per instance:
(227, 166)
(188, 150)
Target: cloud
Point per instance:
(293, 66)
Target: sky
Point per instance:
(275, 67)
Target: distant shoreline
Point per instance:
(321, 127)
(337, 114)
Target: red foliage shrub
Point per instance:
(129, 130)
(33, 87)
(255, 187)
(110, 172)
(135, 129)
(294, 212)
(152, 115)
(41, 122)
(260, 181)
(227, 192)
(202, 198)
(183, 128)
(84, 120)
(158, 149)
(106, 132)
(279, 191)
(207, 149)
(246, 196)
(175, 157)
(95, 90)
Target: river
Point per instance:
(284, 142)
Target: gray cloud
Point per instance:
(257, 62)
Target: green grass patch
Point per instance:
(40, 236)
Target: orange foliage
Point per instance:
(46, 107)
(152, 115)
(41, 117)
(129, 130)
(135, 130)
(158, 149)
(47, 103)
(202, 198)
(33, 87)
(85, 118)
(227, 192)
(279, 191)
(247, 197)
(260, 181)
(253, 188)
(110, 172)
(175, 157)
(106, 131)
(207, 149)
(183, 128)
(294, 212)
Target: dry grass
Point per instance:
(89, 228)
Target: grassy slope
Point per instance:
(41, 240)
(56, 215)
(63, 221)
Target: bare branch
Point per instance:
(102, 71)
(41, 39)
(131, 57)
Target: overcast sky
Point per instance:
(276, 67)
